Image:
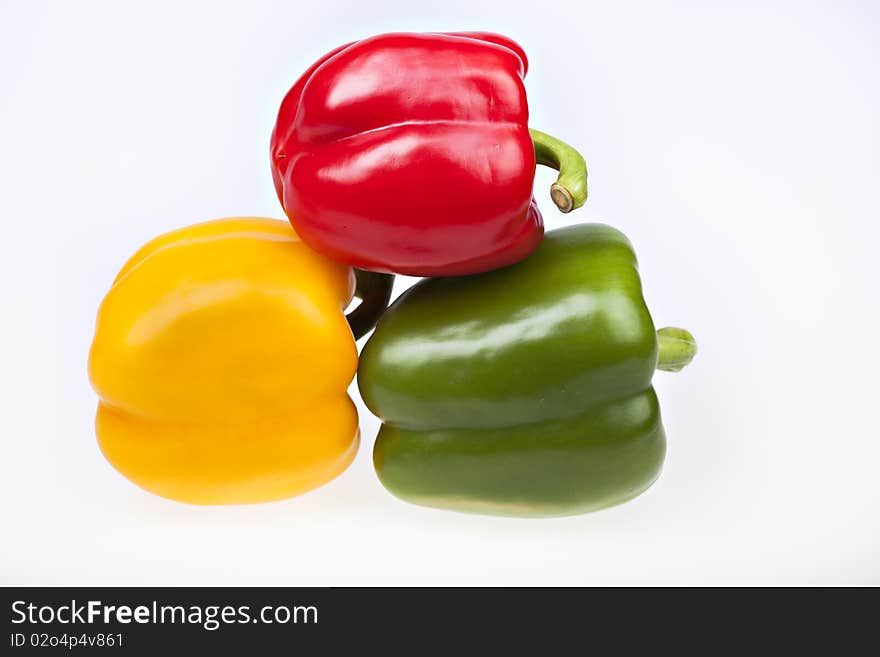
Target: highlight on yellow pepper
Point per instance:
(221, 358)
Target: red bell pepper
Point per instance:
(411, 154)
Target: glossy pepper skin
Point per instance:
(525, 391)
(411, 154)
(221, 357)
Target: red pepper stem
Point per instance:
(570, 189)
(374, 291)
(677, 348)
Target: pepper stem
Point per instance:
(374, 291)
(677, 348)
(570, 189)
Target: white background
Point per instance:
(735, 143)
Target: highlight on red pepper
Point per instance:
(411, 154)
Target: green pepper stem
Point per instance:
(570, 189)
(374, 291)
(677, 348)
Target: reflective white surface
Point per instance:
(736, 145)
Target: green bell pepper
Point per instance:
(527, 390)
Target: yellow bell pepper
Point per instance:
(221, 358)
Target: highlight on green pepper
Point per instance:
(524, 391)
